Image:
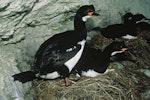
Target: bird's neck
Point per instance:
(107, 53)
(80, 27)
(105, 57)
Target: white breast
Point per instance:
(73, 61)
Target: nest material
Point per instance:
(112, 86)
(126, 83)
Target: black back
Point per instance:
(55, 51)
(97, 60)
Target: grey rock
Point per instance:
(8, 67)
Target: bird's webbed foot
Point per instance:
(67, 82)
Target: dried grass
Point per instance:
(112, 86)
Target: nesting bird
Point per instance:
(58, 55)
(127, 29)
(140, 26)
(139, 19)
(93, 62)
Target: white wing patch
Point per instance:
(129, 37)
(70, 49)
(73, 61)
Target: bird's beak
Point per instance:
(96, 14)
(124, 49)
(143, 19)
(92, 13)
(147, 19)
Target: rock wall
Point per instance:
(25, 24)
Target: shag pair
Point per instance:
(66, 52)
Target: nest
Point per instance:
(121, 83)
(112, 86)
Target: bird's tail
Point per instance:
(25, 76)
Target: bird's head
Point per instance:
(86, 12)
(116, 47)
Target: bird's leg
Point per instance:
(65, 73)
(67, 82)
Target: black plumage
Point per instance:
(52, 60)
(93, 62)
(138, 21)
(127, 29)
(118, 30)
(142, 26)
(127, 18)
